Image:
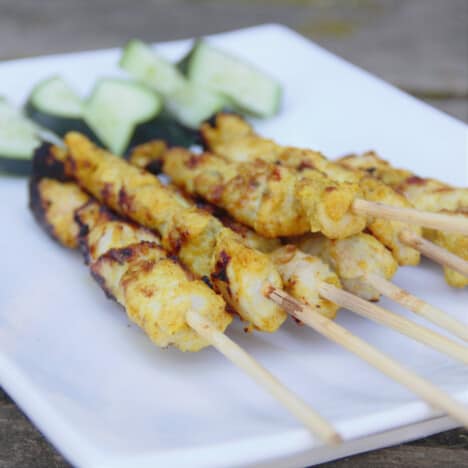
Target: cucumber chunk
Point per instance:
(19, 137)
(141, 62)
(115, 110)
(53, 104)
(250, 89)
(189, 103)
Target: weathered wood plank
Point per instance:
(455, 107)
(21, 444)
(417, 44)
(405, 456)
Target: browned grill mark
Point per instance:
(177, 240)
(106, 192)
(102, 283)
(207, 281)
(220, 270)
(155, 167)
(39, 206)
(415, 180)
(276, 174)
(125, 200)
(46, 164)
(305, 165)
(192, 161)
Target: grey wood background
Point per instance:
(419, 45)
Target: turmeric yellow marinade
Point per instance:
(351, 258)
(129, 264)
(271, 199)
(425, 194)
(237, 266)
(235, 140)
(200, 241)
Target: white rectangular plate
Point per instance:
(105, 396)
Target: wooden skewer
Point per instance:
(417, 305)
(312, 420)
(434, 252)
(396, 322)
(426, 390)
(440, 221)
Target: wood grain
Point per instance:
(418, 45)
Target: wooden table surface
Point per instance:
(419, 45)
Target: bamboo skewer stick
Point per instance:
(420, 307)
(440, 221)
(232, 351)
(400, 324)
(326, 327)
(435, 253)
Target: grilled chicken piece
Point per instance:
(130, 266)
(352, 259)
(455, 243)
(375, 167)
(271, 199)
(107, 232)
(388, 232)
(235, 140)
(302, 275)
(200, 240)
(251, 192)
(424, 194)
(157, 294)
(148, 156)
(53, 204)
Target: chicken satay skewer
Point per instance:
(93, 172)
(364, 277)
(361, 261)
(234, 139)
(180, 165)
(227, 183)
(366, 309)
(125, 260)
(426, 390)
(364, 265)
(428, 194)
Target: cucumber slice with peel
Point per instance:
(53, 104)
(115, 110)
(250, 89)
(189, 103)
(142, 62)
(19, 137)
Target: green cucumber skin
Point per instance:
(184, 63)
(18, 167)
(57, 124)
(164, 127)
(188, 65)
